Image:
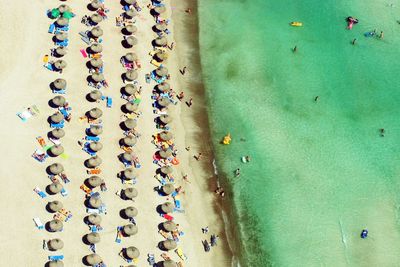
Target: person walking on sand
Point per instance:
(181, 96)
(204, 230)
(198, 157)
(190, 102)
(183, 71)
(316, 98)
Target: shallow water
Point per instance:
(320, 172)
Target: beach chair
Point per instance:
(86, 189)
(180, 253)
(51, 28)
(56, 257)
(57, 125)
(38, 223)
(109, 101)
(86, 40)
(94, 171)
(151, 259)
(89, 210)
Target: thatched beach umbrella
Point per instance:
(169, 244)
(129, 173)
(60, 84)
(167, 169)
(94, 181)
(127, 157)
(95, 95)
(56, 150)
(167, 207)
(96, 62)
(94, 219)
(60, 64)
(130, 193)
(132, 253)
(95, 4)
(161, 41)
(55, 206)
(169, 226)
(96, 146)
(131, 107)
(130, 2)
(130, 124)
(95, 113)
(55, 264)
(164, 102)
(166, 136)
(98, 77)
(131, 41)
(55, 244)
(131, 75)
(129, 140)
(131, 56)
(61, 36)
(56, 225)
(96, 32)
(93, 238)
(162, 71)
(130, 212)
(159, 9)
(57, 117)
(130, 89)
(129, 29)
(94, 161)
(61, 50)
(169, 263)
(161, 56)
(58, 133)
(161, 27)
(163, 87)
(96, 18)
(95, 130)
(130, 229)
(95, 202)
(165, 119)
(58, 101)
(56, 168)
(165, 153)
(55, 187)
(93, 259)
(62, 21)
(130, 13)
(168, 189)
(64, 8)
(96, 48)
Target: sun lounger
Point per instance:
(64, 178)
(51, 28)
(41, 141)
(38, 223)
(62, 43)
(96, 56)
(39, 155)
(63, 28)
(167, 217)
(94, 171)
(83, 52)
(178, 204)
(180, 253)
(129, 182)
(151, 259)
(65, 112)
(119, 235)
(85, 189)
(55, 141)
(95, 228)
(156, 63)
(84, 34)
(61, 92)
(92, 138)
(165, 256)
(64, 192)
(92, 248)
(109, 101)
(86, 40)
(57, 125)
(164, 234)
(56, 257)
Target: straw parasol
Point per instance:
(96, 62)
(96, 32)
(95, 4)
(161, 41)
(96, 18)
(167, 207)
(163, 87)
(94, 181)
(56, 168)
(58, 101)
(61, 50)
(61, 36)
(56, 225)
(60, 84)
(62, 21)
(64, 8)
(161, 26)
(130, 193)
(55, 244)
(164, 102)
(129, 140)
(161, 71)
(127, 156)
(95, 95)
(130, 29)
(130, 229)
(166, 136)
(169, 226)
(165, 119)
(168, 189)
(130, 123)
(165, 153)
(95, 130)
(132, 253)
(57, 117)
(94, 219)
(161, 56)
(130, 13)
(98, 77)
(129, 174)
(94, 161)
(96, 48)
(93, 238)
(130, 2)
(169, 263)
(57, 150)
(131, 107)
(95, 113)
(167, 170)
(95, 202)
(159, 9)
(55, 264)
(55, 187)
(131, 41)
(60, 64)
(93, 259)
(130, 89)
(55, 205)
(131, 212)
(131, 56)
(131, 75)
(169, 244)
(96, 146)
(58, 133)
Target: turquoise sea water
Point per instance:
(320, 172)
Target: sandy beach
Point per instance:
(25, 82)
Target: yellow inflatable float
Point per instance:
(227, 139)
(296, 24)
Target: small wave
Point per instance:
(215, 167)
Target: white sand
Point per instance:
(24, 41)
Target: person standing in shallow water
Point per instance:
(295, 49)
(354, 41)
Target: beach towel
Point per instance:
(39, 192)
(83, 52)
